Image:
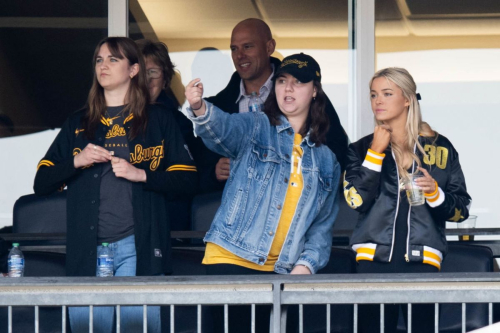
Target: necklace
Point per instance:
(109, 119)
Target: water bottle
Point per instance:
(16, 261)
(105, 261)
(255, 104)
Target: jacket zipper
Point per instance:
(397, 208)
(407, 256)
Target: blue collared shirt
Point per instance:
(243, 99)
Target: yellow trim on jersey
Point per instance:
(181, 167)
(104, 121)
(44, 163)
(129, 118)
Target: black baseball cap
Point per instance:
(301, 66)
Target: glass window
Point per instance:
(46, 50)
(452, 49)
(198, 39)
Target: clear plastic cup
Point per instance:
(470, 223)
(414, 193)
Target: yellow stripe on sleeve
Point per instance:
(44, 163)
(373, 160)
(375, 153)
(181, 167)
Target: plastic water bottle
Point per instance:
(16, 261)
(105, 261)
(255, 104)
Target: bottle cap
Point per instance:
(105, 244)
(15, 244)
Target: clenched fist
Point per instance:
(194, 94)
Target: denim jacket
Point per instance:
(253, 197)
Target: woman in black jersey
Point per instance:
(119, 157)
(392, 236)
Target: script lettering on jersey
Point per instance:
(153, 154)
(115, 131)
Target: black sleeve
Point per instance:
(361, 184)
(454, 206)
(57, 166)
(336, 138)
(180, 176)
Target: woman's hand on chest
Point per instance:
(123, 169)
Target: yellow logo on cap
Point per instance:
(294, 61)
(317, 73)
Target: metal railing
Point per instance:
(278, 291)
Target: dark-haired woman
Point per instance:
(119, 158)
(160, 72)
(279, 203)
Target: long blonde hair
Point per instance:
(414, 125)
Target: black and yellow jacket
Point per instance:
(372, 187)
(160, 151)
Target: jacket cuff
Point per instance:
(373, 160)
(437, 199)
(203, 119)
(306, 263)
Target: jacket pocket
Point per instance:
(326, 183)
(325, 188)
(234, 208)
(262, 163)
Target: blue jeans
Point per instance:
(125, 260)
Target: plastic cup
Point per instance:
(414, 193)
(470, 223)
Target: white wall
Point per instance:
(20, 157)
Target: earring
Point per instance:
(131, 76)
(314, 98)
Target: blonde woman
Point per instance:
(391, 236)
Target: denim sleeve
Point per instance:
(224, 133)
(318, 238)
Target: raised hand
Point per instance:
(91, 154)
(381, 138)
(123, 169)
(194, 94)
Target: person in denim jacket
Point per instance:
(279, 203)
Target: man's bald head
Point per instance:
(251, 47)
(259, 27)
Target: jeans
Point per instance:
(131, 316)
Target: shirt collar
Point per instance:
(285, 125)
(267, 85)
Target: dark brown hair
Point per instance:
(137, 96)
(158, 52)
(317, 121)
